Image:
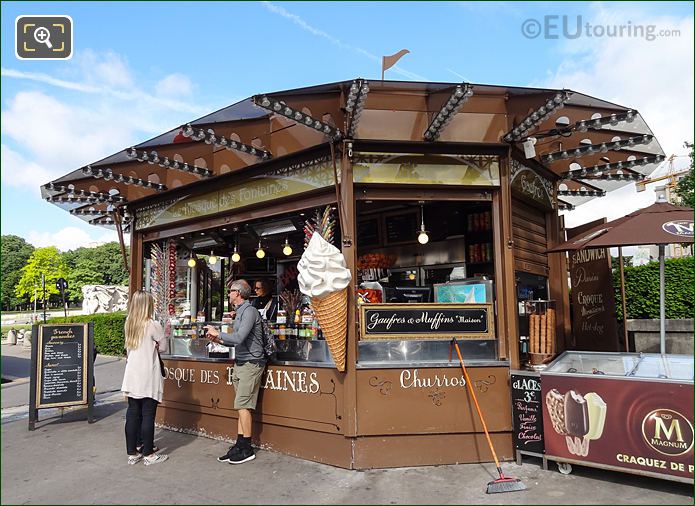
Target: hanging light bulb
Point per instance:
(287, 250)
(422, 237)
(235, 255)
(260, 253)
(191, 261)
(212, 260)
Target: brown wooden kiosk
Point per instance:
(481, 169)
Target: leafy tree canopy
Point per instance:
(47, 261)
(102, 265)
(685, 189)
(14, 252)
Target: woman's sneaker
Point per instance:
(134, 459)
(155, 459)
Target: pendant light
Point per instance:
(287, 249)
(235, 254)
(212, 260)
(191, 261)
(422, 237)
(260, 252)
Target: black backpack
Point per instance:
(267, 340)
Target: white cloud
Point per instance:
(104, 69)
(174, 85)
(63, 137)
(70, 238)
(48, 132)
(18, 172)
(655, 77)
(136, 96)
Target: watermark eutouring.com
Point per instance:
(573, 27)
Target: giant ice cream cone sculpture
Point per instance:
(324, 277)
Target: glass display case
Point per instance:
(188, 340)
(623, 411)
(296, 343)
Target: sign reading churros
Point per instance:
(633, 425)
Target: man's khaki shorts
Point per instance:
(247, 382)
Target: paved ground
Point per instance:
(68, 461)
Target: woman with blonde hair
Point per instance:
(143, 383)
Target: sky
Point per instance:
(142, 68)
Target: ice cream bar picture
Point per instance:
(576, 414)
(597, 415)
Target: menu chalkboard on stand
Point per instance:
(527, 414)
(62, 368)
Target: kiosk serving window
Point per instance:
(190, 275)
(414, 295)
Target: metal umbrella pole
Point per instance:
(622, 296)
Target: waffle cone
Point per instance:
(331, 312)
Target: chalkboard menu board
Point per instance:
(527, 412)
(402, 227)
(62, 367)
(368, 232)
(426, 321)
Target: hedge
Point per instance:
(109, 335)
(642, 289)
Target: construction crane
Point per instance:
(672, 175)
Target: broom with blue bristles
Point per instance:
(503, 483)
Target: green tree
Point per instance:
(14, 252)
(102, 265)
(47, 261)
(685, 189)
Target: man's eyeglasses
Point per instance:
(233, 290)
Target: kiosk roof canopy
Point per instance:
(590, 145)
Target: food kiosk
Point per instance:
(443, 220)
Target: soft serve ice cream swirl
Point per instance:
(322, 268)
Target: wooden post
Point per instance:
(348, 229)
(90, 373)
(33, 412)
(135, 261)
(509, 334)
(119, 229)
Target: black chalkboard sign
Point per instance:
(527, 412)
(426, 321)
(62, 367)
(368, 232)
(402, 227)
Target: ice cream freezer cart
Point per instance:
(628, 412)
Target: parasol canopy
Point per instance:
(661, 223)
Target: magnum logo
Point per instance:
(681, 228)
(668, 432)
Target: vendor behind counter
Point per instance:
(264, 301)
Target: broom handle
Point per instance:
(475, 400)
